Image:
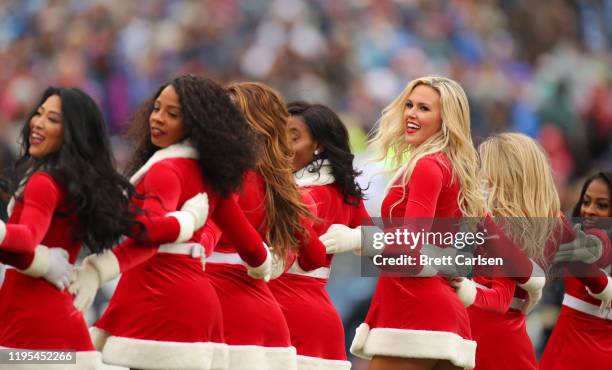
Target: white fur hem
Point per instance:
(98, 337)
(315, 363)
(414, 344)
(186, 225)
(40, 264)
(150, 354)
(262, 358)
(85, 360)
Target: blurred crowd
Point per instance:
(537, 67)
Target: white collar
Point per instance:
(179, 150)
(323, 176)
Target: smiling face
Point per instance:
(422, 115)
(166, 119)
(596, 202)
(46, 128)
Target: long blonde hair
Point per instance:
(453, 139)
(519, 181)
(267, 115)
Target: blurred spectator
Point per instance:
(541, 68)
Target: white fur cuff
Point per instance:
(605, 294)
(536, 280)
(106, 264)
(467, 292)
(2, 231)
(186, 224)
(40, 264)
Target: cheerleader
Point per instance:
(581, 337)
(254, 326)
(165, 313)
(67, 194)
(323, 165)
(419, 323)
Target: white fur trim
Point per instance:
(467, 292)
(178, 150)
(186, 225)
(262, 358)
(40, 264)
(315, 363)
(2, 231)
(537, 279)
(150, 354)
(85, 360)
(605, 294)
(106, 264)
(324, 176)
(10, 206)
(263, 271)
(414, 344)
(98, 337)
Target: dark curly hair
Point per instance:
(84, 168)
(328, 131)
(227, 146)
(605, 176)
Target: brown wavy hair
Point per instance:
(266, 113)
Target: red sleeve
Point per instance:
(41, 197)
(497, 298)
(361, 217)
(20, 261)
(312, 253)
(426, 183)
(162, 189)
(517, 265)
(235, 226)
(425, 186)
(589, 274)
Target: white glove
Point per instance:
(84, 286)
(263, 271)
(59, 269)
(585, 248)
(95, 270)
(605, 296)
(341, 238)
(197, 207)
(278, 267)
(465, 289)
(533, 287)
(533, 297)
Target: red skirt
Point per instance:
(503, 342)
(314, 324)
(254, 326)
(164, 314)
(416, 318)
(578, 341)
(35, 315)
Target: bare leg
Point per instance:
(400, 363)
(446, 365)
